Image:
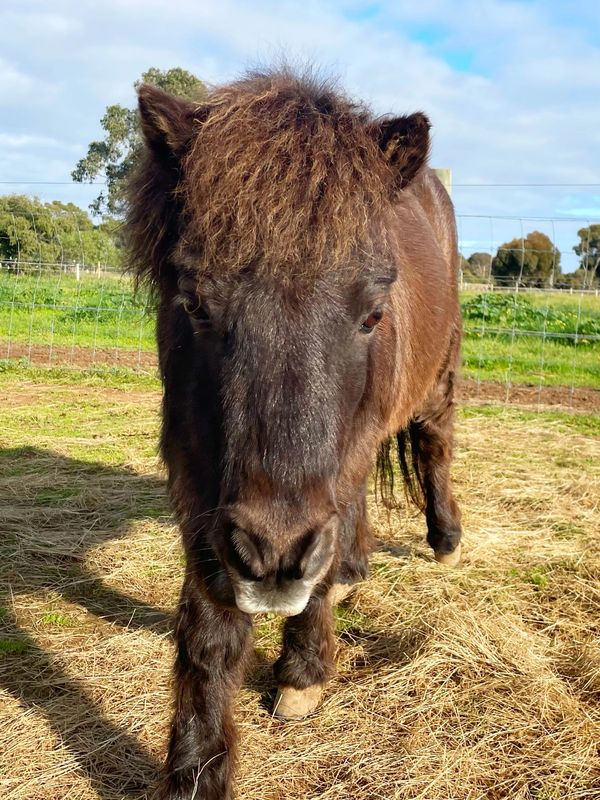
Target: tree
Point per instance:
(113, 157)
(588, 251)
(532, 261)
(480, 264)
(574, 280)
(53, 234)
(466, 275)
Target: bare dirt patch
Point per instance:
(576, 398)
(76, 356)
(470, 391)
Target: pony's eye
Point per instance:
(372, 320)
(194, 308)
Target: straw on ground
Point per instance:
(482, 682)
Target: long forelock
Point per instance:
(283, 174)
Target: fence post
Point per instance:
(445, 175)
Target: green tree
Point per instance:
(113, 157)
(466, 274)
(480, 264)
(34, 234)
(588, 251)
(574, 280)
(532, 261)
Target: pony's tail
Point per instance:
(404, 450)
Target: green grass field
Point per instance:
(589, 303)
(102, 313)
(55, 309)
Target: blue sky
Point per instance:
(512, 88)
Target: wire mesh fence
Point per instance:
(526, 338)
(73, 316)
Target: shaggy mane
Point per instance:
(282, 173)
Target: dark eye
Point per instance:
(372, 320)
(194, 308)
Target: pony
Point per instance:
(303, 259)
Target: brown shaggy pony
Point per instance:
(304, 262)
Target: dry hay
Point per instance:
(481, 682)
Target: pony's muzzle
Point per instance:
(265, 580)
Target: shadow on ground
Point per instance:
(48, 532)
(40, 551)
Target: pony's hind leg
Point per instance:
(355, 546)
(431, 438)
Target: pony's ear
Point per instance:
(167, 121)
(404, 142)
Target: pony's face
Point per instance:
(289, 370)
(263, 224)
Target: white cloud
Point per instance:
(13, 83)
(523, 113)
(27, 140)
(40, 23)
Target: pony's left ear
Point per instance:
(404, 142)
(167, 121)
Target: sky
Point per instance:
(512, 88)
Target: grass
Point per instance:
(53, 308)
(56, 618)
(530, 361)
(472, 684)
(586, 304)
(536, 576)
(112, 377)
(502, 338)
(561, 422)
(98, 321)
(11, 646)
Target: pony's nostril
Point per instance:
(245, 554)
(314, 551)
(307, 547)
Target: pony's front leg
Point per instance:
(211, 645)
(306, 660)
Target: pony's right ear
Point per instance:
(167, 121)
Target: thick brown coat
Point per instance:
(304, 262)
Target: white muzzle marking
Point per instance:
(252, 598)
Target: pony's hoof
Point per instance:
(296, 703)
(338, 592)
(449, 559)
